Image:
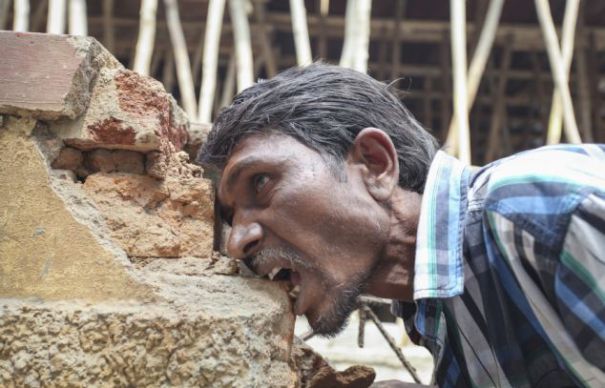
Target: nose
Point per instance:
(244, 239)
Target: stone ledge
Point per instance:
(205, 333)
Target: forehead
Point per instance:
(265, 149)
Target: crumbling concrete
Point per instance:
(107, 270)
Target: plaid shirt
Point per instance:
(509, 283)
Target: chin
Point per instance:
(330, 320)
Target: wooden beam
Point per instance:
(181, 55)
(212, 38)
(146, 38)
(458, 39)
(300, 32)
(243, 46)
(557, 64)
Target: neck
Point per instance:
(393, 277)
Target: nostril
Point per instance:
(250, 247)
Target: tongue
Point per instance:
(295, 278)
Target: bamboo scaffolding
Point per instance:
(181, 56)
(324, 7)
(4, 9)
(557, 64)
(21, 15)
(582, 86)
(77, 18)
(56, 17)
(458, 37)
(477, 67)
(229, 83)
(499, 113)
(243, 46)
(39, 16)
(567, 47)
(269, 57)
(300, 32)
(146, 38)
(168, 71)
(396, 59)
(357, 35)
(108, 34)
(212, 38)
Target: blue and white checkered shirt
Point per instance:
(509, 283)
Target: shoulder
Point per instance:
(538, 190)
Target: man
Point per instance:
(329, 183)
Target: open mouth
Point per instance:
(280, 271)
(291, 277)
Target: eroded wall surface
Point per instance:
(107, 274)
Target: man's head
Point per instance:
(310, 163)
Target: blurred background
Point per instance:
(414, 43)
(487, 77)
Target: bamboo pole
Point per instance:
(323, 6)
(567, 47)
(357, 35)
(243, 46)
(21, 15)
(458, 37)
(4, 9)
(145, 41)
(269, 57)
(301, 33)
(582, 86)
(214, 22)
(77, 18)
(361, 49)
(477, 67)
(108, 34)
(499, 113)
(399, 9)
(558, 68)
(346, 57)
(181, 56)
(56, 17)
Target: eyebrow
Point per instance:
(239, 167)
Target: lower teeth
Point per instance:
(294, 292)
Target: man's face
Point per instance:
(290, 210)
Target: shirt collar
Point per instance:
(439, 264)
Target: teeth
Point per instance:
(294, 292)
(274, 272)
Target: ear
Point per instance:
(374, 150)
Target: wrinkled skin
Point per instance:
(342, 230)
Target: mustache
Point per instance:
(294, 258)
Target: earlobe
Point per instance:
(374, 150)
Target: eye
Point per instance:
(259, 182)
